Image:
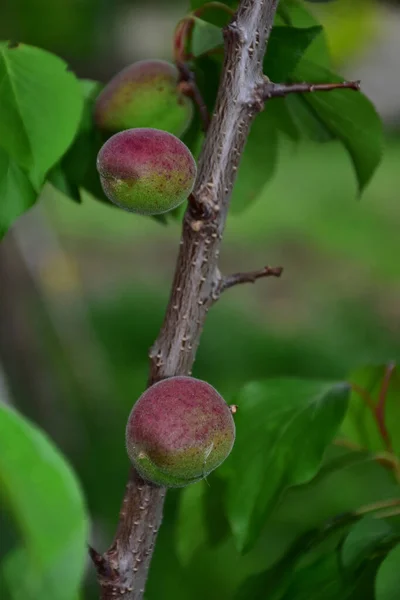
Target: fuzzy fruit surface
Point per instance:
(179, 430)
(146, 171)
(144, 94)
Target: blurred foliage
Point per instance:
(350, 26)
(43, 494)
(307, 506)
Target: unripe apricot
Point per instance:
(146, 171)
(145, 94)
(179, 430)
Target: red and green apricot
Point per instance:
(179, 431)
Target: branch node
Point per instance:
(200, 211)
(102, 564)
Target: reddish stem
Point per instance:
(364, 395)
(378, 410)
(185, 26)
(381, 406)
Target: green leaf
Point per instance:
(16, 192)
(363, 539)
(362, 425)
(90, 89)
(295, 14)
(387, 583)
(286, 47)
(306, 119)
(190, 530)
(320, 580)
(278, 112)
(216, 522)
(349, 116)
(205, 37)
(283, 428)
(258, 162)
(79, 163)
(40, 108)
(45, 499)
(70, 174)
(59, 179)
(279, 577)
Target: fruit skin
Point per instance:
(144, 94)
(146, 171)
(179, 430)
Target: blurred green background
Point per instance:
(84, 288)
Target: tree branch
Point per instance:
(197, 277)
(250, 277)
(280, 90)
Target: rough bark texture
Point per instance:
(198, 282)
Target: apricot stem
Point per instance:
(188, 86)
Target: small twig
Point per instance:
(377, 506)
(188, 86)
(101, 563)
(378, 410)
(345, 443)
(280, 90)
(385, 459)
(250, 277)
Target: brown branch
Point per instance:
(197, 277)
(280, 90)
(122, 570)
(250, 277)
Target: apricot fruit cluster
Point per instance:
(179, 431)
(145, 94)
(147, 171)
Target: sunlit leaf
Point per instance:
(45, 499)
(40, 108)
(16, 192)
(205, 37)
